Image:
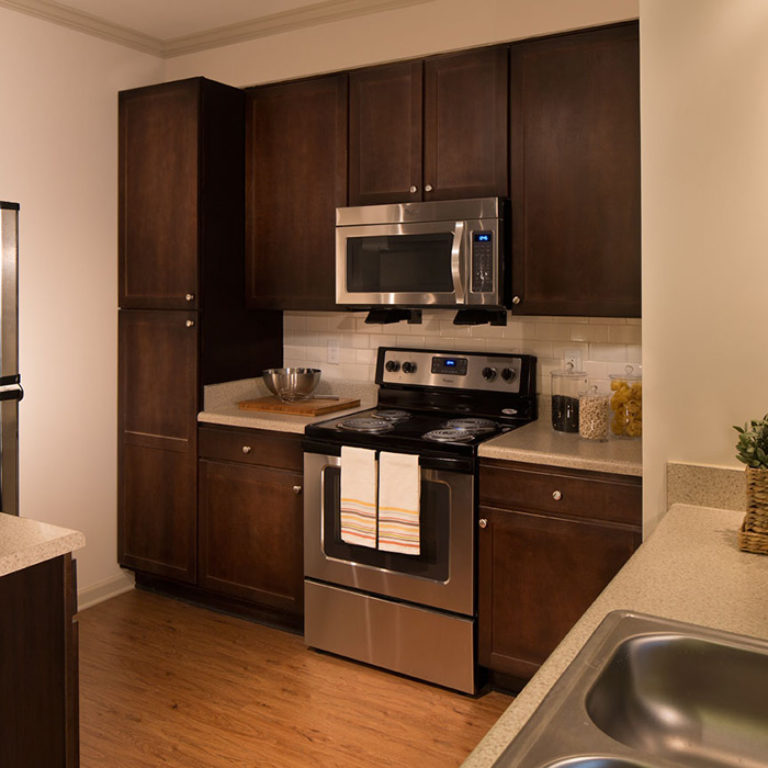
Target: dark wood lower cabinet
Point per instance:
(538, 570)
(158, 516)
(250, 534)
(38, 667)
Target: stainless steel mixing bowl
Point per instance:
(291, 384)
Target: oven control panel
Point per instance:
(465, 370)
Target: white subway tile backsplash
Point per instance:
(608, 353)
(625, 334)
(607, 344)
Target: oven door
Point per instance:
(438, 263)
(442, 576)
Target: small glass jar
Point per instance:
(593, 414)
(626, 404)
(566, 386)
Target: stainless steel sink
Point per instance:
(646, 692)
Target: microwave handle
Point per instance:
(457, 262)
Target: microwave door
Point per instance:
(416, 264)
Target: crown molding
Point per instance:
(310, 15)
(85, 22)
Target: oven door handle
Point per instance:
(457, 262)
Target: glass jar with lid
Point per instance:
(566, 388)
(593, 414)
(626, 404)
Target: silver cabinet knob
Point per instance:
(246, 449)
(515, 299)
(189, 297)
(556, 495)
(482, 522)
(190, 323)
(413, 189)
(296, 489)
(427, 187)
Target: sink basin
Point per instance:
(646, 692)
(689, 699)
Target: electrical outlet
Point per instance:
(572, 360)
(333, 351)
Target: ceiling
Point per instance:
(174, 27)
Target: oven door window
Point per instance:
(432, 563)
(417, 263)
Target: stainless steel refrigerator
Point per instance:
(10, 379)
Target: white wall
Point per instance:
(440, 25)
(704, 69)
(58, 159)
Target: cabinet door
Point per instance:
(385, 134)
(536, 577)
(465, 125)
(296, 176)
(158, 195)
(575, 174)
(251, 534)
(157, 406)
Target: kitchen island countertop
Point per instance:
(690, 569)
(25, 542)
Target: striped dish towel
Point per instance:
(358, 496)
(399, 501)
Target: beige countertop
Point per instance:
(690, 569)
(220, 405)
(538, 443)
(535, 443)
(26, 542)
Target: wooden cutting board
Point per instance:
(310, 407)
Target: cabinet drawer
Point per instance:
(251, 446)
(553, 490)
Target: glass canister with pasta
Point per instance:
(626, 404)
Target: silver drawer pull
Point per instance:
(189, 297)
(297, 489)
(246, 449)
(482, 522)
(190, 323)
(556, 495)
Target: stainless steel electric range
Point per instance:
(411, 613)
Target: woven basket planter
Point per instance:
(753, 536)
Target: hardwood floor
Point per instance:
(163, 683)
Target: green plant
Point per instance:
(752, 448)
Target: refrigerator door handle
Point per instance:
(10, 387)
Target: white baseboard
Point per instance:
(102, 591)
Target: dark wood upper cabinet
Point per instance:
(465, 124)
(433, 129)
(296, 177)
(385, 133)
(180, 191)
(575, 174)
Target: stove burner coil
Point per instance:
(392, 415)
(367, 424)
(476, 425)
(450, 435)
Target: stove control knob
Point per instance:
(392, 366)
(409, 367)
(509, 374)
(489, 374)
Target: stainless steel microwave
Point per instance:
(434, 254)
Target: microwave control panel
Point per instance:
(482, 262)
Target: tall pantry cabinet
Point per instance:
(183, 322)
